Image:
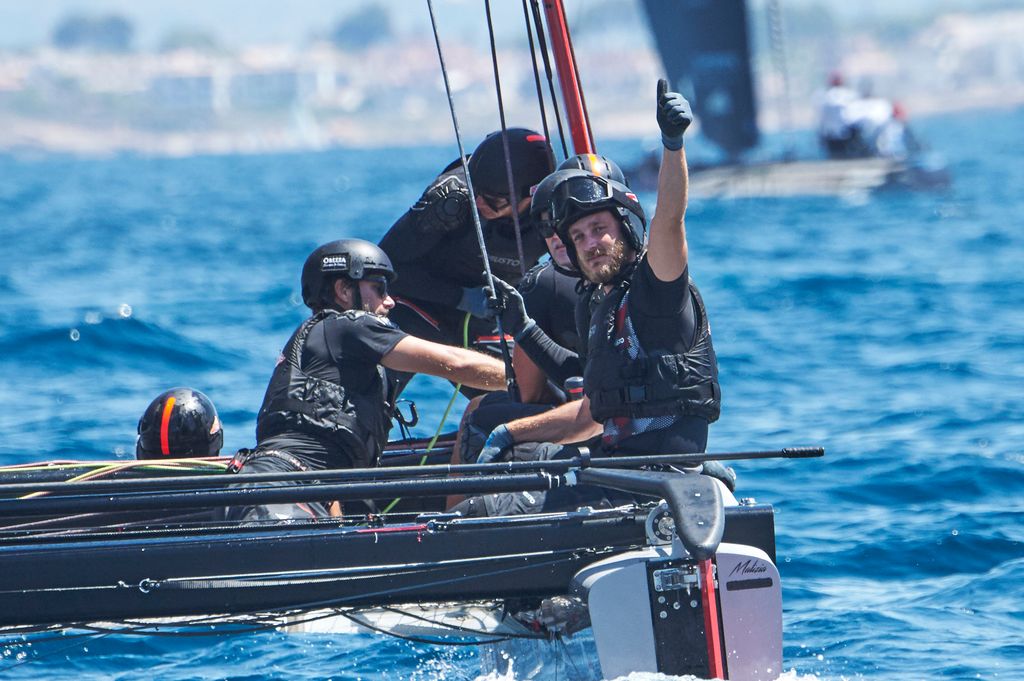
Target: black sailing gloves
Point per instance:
(508, 303)
(674, 116)
(444, 206)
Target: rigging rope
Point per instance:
(510, 376)
(142, 463)
(549, 74)
(513, 195)
(261, 622)
(536, 78)
(100, 472)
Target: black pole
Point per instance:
(152, 501)
(205, 481)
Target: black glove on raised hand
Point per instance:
(674, 116)
(444, 207)
(510, 307)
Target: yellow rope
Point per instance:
(102, 468)
(172, 464)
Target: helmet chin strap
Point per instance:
(357, 296)
(357, 299)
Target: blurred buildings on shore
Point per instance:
(272, 98)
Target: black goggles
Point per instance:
(586, 194)
(380, 285)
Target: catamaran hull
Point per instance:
(88, 577)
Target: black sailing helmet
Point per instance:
(540, 210)
(179, 423)
(579, 195)
(598, 165)
(531, 158)
(353, 258)
(540, 205)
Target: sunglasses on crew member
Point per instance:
(380, 285)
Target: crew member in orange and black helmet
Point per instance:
(179, 423)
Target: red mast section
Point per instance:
(565, 65)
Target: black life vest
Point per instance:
(357, 423)
(658, 383)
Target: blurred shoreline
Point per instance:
(276, 99)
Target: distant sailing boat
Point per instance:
(704, 46)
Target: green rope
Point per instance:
(440, 426)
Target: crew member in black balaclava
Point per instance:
(439, 295)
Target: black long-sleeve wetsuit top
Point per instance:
(434, 266)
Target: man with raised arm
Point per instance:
(650, 371)
(540, 307)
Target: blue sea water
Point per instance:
(888, 329)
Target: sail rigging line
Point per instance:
(92, 631)
(506, 356)
(100, 472)
(542, 45)
(163, 500)
(513, 195)
(256, 623)
(263, 622)
(549, 73)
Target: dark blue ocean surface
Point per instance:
(888, 329)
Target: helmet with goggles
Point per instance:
(540, 205)
(580, 195)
